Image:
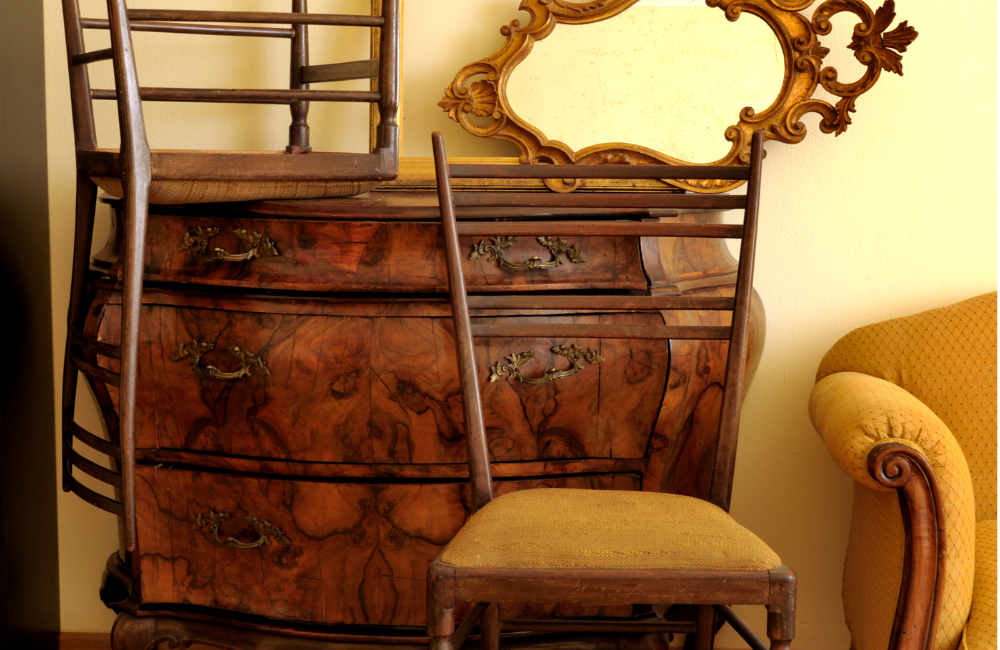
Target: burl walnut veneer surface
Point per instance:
(337, 255)
(352, 444)
(346, 387)
(356, 553)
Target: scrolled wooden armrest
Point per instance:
(886, 439)
(906, 470)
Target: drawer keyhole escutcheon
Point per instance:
(196, 349)
(267, 533)
(574, 353)
(257, 245)
(558, 247)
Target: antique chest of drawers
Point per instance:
(299, 428)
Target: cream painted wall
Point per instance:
(682, 106)
(895, 216)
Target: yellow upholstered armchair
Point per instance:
(908, 409)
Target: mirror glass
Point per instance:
(669, 75)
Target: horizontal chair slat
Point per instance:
(90, 467)
(599, 302)
(609, 586)
(190, 15)
(546, 213)
(601, 229)
(347, 71)
(91, 440)
(656, 626)
(96, 372)
(91, 57)
(93, 345)
(573, 330)
(95, 499)
(621, 200)
(242, 165)
(602, 171)
(204, 30)
(245, 96)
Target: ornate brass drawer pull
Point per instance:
(195, 350)
(574, 353)
(558, 248)
(267, 533)
(257, 244)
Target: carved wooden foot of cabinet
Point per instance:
(133, 633)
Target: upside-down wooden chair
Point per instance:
(140, 176)
(593, 547)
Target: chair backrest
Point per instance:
(597, 214)
(380, 164)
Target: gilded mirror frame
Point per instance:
(469, 100)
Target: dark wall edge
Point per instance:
(29, 586)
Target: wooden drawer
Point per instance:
(346, 552)
(349, 255)
(376, 382)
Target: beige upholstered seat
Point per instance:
(591, 529)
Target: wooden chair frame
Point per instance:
(137, 167)
(712, 591)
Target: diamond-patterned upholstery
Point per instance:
(614, 529)
(981, 634)
(929, 381)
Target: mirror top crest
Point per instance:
(540, 102)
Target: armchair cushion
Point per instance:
(853, 412)
(947, 359)
(982, 631)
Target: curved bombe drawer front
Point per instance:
(338, 255)
(308, 551)
(377, 382)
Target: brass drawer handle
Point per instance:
(267, 533)
(574, 353)
(195, 350)
(257, 244)
(558, 248)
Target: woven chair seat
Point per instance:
(592, 529)
(215, 191)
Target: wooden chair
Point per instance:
(140, 176)
(602, 547)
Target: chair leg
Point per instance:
(489, 628)
(136, 215)
(86, 202)
(704, 638)
(440, 643)
(781, 609)
(440, 605)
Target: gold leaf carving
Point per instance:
(876, 48)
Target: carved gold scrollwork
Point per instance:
(872, 46)
(196, 349)
(479, 90)
(267, 533)
(257, 245)
(558, 248)
(574, 353)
